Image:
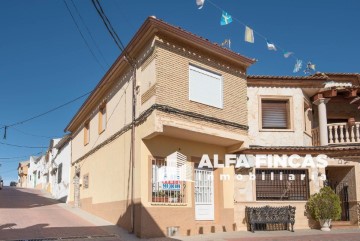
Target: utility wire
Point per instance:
(293, 55)
(46, 112)
(89, 32)
(108, 25)
(20, 146)
(19, 157)
(82, 36)
(30, 134)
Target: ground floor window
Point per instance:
(282, 184)
(165, 189)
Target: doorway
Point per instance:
(340, 179)
(204, 194)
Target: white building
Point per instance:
(34, 179)
(60, 161)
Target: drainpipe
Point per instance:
(133, 146)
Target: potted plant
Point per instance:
(160, 196)
(324, 207)
(351, 121)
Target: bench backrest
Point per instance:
(267, 214)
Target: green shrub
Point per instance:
(324, 205)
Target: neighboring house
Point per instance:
(48, 167)
(191, 100)
(32, 172)
(302, 115)
(36, 178)
(23, 173)
(60, 159)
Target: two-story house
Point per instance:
(23, 173)
(314, 115)
(170, 94)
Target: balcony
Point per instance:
(339, 134)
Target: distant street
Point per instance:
(28, 214)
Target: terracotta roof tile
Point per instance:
(287, 77)
(338, 74)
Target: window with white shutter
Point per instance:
(205, 87)
(275, 114)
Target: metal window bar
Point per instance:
(203, 187)
(277, 186)
(164, 190)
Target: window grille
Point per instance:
(274, 184)
(164, 189)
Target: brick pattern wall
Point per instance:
(202, 123)
(148, 94)
(172, 74)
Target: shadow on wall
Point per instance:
(12, 197)
(145, 225)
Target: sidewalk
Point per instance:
(308, 234)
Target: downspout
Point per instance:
(133, 65)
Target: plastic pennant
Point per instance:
(226, 43)
(310, 68)
(249, 35)
(287, 54)
(270, 46)
(225, 18)
(298, 66)
(200, 3)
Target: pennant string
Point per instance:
(292, 55)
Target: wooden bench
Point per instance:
(270, 215)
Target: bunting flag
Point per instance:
(200, 3)
(249, 35)
(270, 46)
(297, 66)
(227, 42)
(311, 66)
(287, 54)
(225, 18)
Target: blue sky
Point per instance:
(44, 62)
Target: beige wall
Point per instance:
(294, 137)
(157, 217)
(245, 193)
(172, 73)
(162, 78)
(118, 110)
